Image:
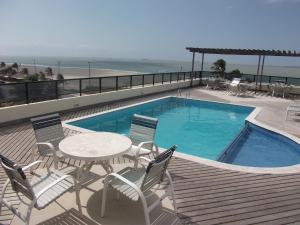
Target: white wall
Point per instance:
(12, 113)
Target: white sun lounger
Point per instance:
(293, 109)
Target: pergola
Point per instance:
(249, 52)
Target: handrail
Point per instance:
(36, 91)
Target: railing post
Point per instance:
(100, 81)
(286, 80)
(162, 78)
(80, 91)
(117, 82)
(183, 76)
(170, 74)
(26, 93)
(178, 77)
(130, 81)
(143, 80)
(270, 77)
(56, 89)
(153, 77)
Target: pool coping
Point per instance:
(250, 118)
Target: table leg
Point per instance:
(81, 170)
(106, 166)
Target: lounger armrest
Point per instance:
(39, 194)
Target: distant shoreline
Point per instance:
(78, 72)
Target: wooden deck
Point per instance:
(204, 194)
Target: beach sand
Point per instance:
(76, 72)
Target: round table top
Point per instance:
(95, 146)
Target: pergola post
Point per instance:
(257, 73)
(193, 67)
(201, 68)
(262, 71)
(193, 62)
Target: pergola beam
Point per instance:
(229, 51)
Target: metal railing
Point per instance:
(29, 92)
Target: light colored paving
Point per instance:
(273, 111)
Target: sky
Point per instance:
(151, 29)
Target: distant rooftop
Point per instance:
(229, 51)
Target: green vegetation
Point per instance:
(32, 77)
(14, 68)
(49, 72)
(234, 74)
(25, 71)
(219, 67)
(60, 77)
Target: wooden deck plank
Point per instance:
(205, 195)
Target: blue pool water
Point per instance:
(258, 147)
(199, 128)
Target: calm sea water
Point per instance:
(146, 66)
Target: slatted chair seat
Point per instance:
(48, 133)
(39, 183)
(142, 134)
(139, 183)
(135, 176)
(41, 190)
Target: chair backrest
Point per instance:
(47, 129)
(17, 177)
(143, 128)
(236, 81)
(156, 169)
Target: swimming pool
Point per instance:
(199, 128)
(259, 147)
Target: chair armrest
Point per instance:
(32, 164)
(119, 177)
(49, 145)
(145, 159)
(141, 145)
(51, 185)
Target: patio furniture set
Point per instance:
(136, 183)
(239, 87)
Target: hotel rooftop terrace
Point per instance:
(205, 192)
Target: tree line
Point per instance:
(8, 71)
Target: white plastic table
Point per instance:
(95, 147)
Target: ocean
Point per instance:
(143, 65)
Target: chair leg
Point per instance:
(77, 192)
(32, 160)
(104, 196)
(172, 191)
(28, 214)
(145, 208)
(55, 162)
(135, 164)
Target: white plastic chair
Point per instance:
(142, 134)
(140, 182)
(48, 133)
(42, 190)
